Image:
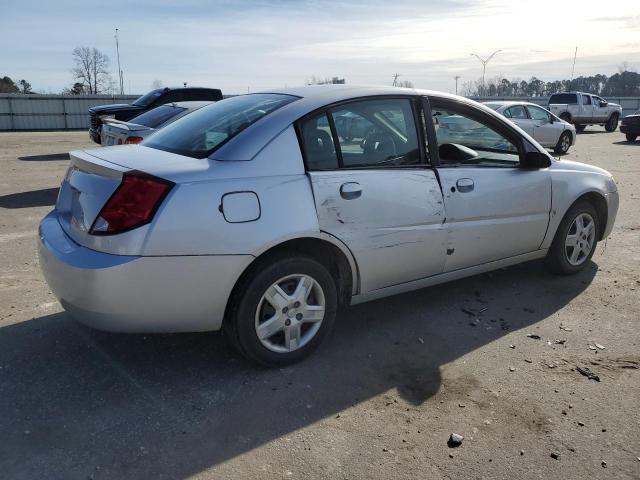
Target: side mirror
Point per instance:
(603, 104)
(551, 119)
(535, 160)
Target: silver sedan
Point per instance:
(262, 214)
(549, 130)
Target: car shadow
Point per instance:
(628, 143)
(34, 198)
(145, 406)
(45, 158)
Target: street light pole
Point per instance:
(119, 69)
(484, 62)
(456, 78)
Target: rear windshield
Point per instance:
(563, 98)
(157, 116)
(147, 98)
(200, 133)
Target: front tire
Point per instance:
(575, 240)
(630, 137)
(564, 142)
(612, 123)
(282, 310)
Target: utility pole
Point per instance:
(119, 69)
(395, 79)
(484, 62)
(575, 54)
(456, 78)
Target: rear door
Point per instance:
(518, 115)
(374, 189)
(495, 209)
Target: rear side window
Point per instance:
(569, 98)
(157, 116)
(200, 133)
(377, 133)
(319, 149)
(517, 111)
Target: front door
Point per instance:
(600, 110)
(495, 209)
(374, 190)
(545, 131)
(587, 108)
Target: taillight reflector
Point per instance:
(133, 204)
(133, 140)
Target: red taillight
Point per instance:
(133, 140)
(132, 205)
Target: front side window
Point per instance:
(538, 114)
(200, 133)
(517, 111)
(377, 133)
(466, 137)
(586, 100)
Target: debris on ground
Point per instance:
(421, 340)
(534, 336)
(604, 464)
(600, 347)
(560, 342)
(566, 329)
(581, 424)
(455, 440)
(512, 346)
(521, 452)
(592, 347)
(555, 455)
(528, 360)
(471, 313)
(512, 369)
(588, 373)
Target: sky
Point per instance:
(252, 45)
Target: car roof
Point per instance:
(310, 98)
(508, 103)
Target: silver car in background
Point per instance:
(120, 132)
(259, 216)
(549, 130)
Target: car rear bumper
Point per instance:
(137, 294)
(630, 129)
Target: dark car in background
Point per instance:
(630, 126)
(150, 100)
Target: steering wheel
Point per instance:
(381, 143)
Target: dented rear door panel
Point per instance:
(391, 220)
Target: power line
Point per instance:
(484, 62)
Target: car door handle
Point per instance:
(464, 185)
(350, 190)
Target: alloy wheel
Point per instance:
(580, 239)
(289, 313)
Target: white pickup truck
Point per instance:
(584, 109)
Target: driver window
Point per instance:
(586, 100)
(465, 139)
(517, 112)
(377, 133)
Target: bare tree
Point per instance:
(91, 69)
(405, 84)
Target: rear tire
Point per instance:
(566, 117)
(575, 241)
(564, 142)
(630, 137)
(580, 128)
(269, 322)
(612, 123)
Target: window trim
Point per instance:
(326, 109)
(500, 126)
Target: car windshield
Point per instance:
(147, 98)
(200, 133)
(157, 116)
